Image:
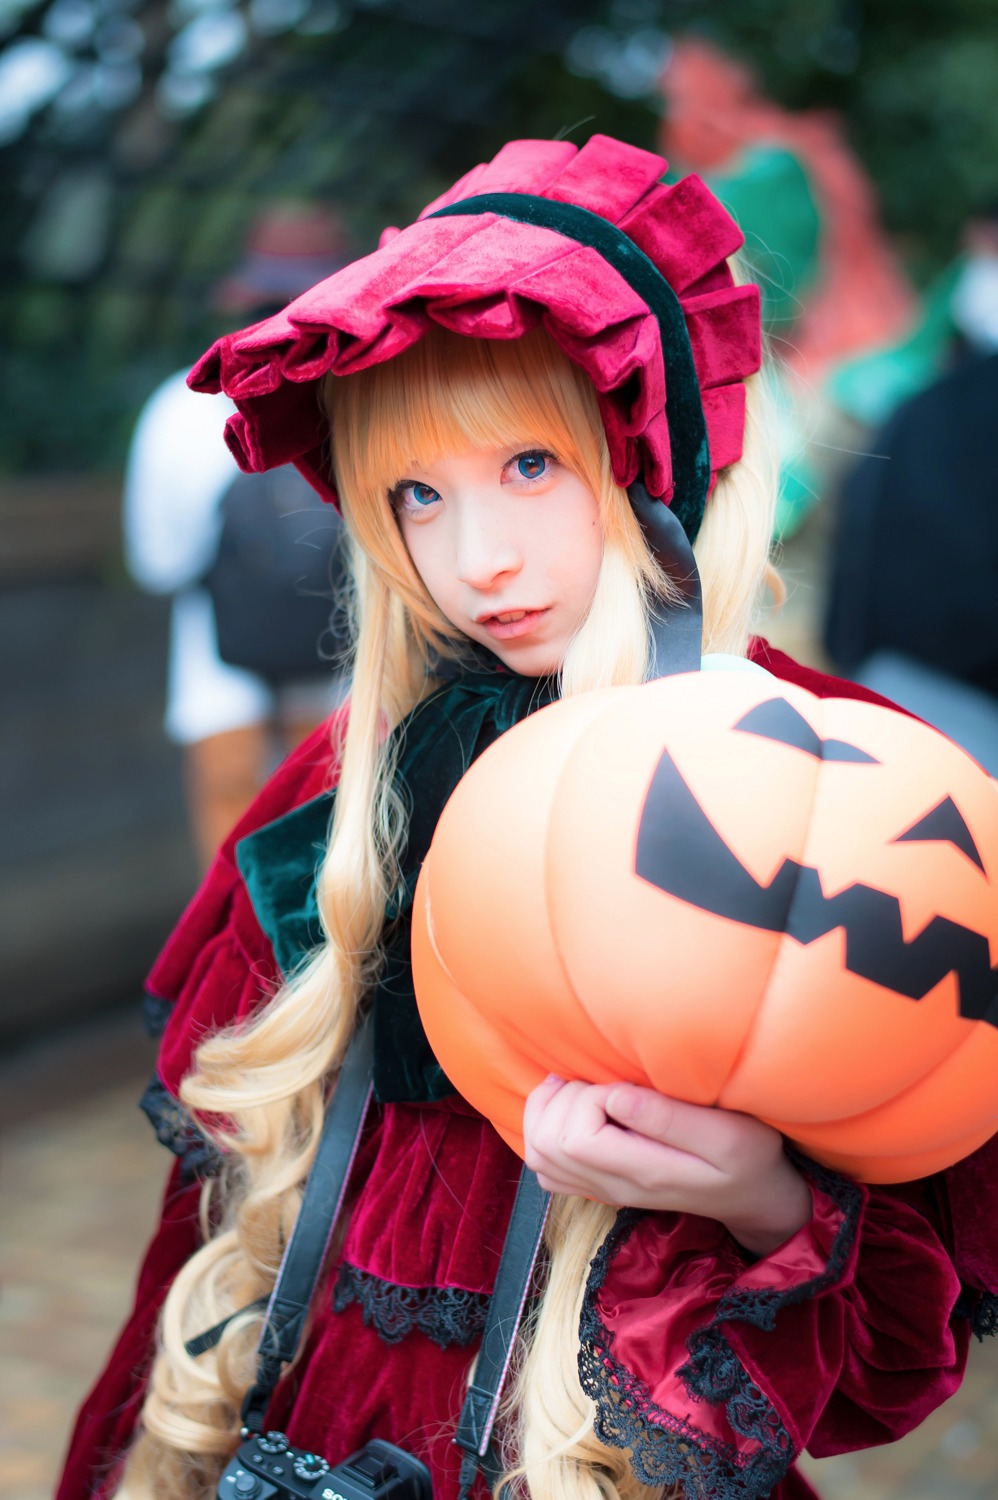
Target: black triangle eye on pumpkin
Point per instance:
(944, 824)
(779, 721)
(735, 893)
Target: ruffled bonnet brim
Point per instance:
(487, 276)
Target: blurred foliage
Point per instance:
(914, 82)
(119, 222)
(140, 137)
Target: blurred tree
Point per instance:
(139, 137)
(143, 136)
(914, 81)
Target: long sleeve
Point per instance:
(718, 1371)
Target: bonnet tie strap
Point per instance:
(676, 624)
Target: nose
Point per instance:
(487, 554)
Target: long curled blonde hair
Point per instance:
(268, 1080)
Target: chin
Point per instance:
(530, 660)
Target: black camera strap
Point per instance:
(321, 1203)
(301, 1267)
(516, 1269)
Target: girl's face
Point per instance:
(509, 545)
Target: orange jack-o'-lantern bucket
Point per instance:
(739, 894)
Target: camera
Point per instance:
(266, 1467)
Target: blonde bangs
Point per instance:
(448, 393)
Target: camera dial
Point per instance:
(268, 1467)
(309, 1466)
(272, 1442)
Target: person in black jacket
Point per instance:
(913, 608)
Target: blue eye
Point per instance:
(412, 496)
(531, 465)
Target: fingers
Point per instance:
(642, 1110)
(624, 1144)
(538, 1101)
(560, 1119)
(560, 1122)
(717, 1136)
(574, 1148)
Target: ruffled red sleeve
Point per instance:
(218, 965)
(717, 1371)
(970, 1193)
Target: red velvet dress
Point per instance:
(715, 1369)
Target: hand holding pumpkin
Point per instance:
(632, 1146)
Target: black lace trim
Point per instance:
(667, 1451)
(760, 1307)
(446, 1314)
(985, 1319)
(980, 1309)
(155, 1014)
(176, 1130)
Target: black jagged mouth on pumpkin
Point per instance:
(681, 853)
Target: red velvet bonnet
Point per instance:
(489, 276)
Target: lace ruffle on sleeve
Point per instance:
(717, 1371)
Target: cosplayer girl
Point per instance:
(478, 393)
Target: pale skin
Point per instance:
(508, 544)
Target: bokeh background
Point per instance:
(140, 141)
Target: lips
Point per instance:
(509, 623)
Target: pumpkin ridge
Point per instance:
(782, 949)
(549, 875)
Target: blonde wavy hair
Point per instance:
(268, 1080)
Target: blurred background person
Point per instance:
(250, 560)
(831, 283)
(957, 319)
(974, 300)
(913, 593)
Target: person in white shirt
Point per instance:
(231, 723)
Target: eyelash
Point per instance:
(397, 495)
(533, 453)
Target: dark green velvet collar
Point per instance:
(437, 743)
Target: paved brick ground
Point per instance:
(80, 1188)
